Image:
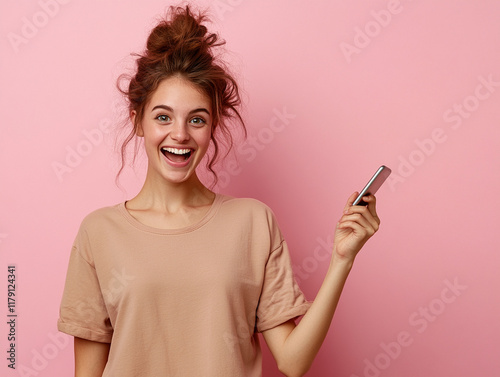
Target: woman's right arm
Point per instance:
(90, 357)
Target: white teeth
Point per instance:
(177, 151)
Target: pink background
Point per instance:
(413, 84)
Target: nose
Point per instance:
(179, 132)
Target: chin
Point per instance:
(179, 178)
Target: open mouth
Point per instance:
(176, 155)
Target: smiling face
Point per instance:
(176, 126)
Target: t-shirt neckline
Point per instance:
(146, 228)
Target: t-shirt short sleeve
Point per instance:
(83, 313)
(281, 298)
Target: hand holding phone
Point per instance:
(373, 185)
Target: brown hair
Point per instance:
(181, 45)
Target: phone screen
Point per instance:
(373, 185)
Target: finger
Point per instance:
(365, 214)
(361, 232)
(372, 206)
(370, 227)
(351, 200)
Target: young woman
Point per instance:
(178, 280)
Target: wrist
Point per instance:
(342, 258)
(340, 263)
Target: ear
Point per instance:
(138, 127)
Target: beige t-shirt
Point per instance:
(183, 302)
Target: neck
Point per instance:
(162, 195)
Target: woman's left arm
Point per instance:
(294, 347)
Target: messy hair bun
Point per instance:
(181, 45)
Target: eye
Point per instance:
(163, 118)
(198, 121)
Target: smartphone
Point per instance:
(373, 185)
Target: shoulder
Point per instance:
(249, 211)
(251, 219)
(99, 218)
(249, 206)
(96, 227)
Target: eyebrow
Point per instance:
(168, 108)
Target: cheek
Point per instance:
(154, 135)
(204, 139)
(152, 141)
